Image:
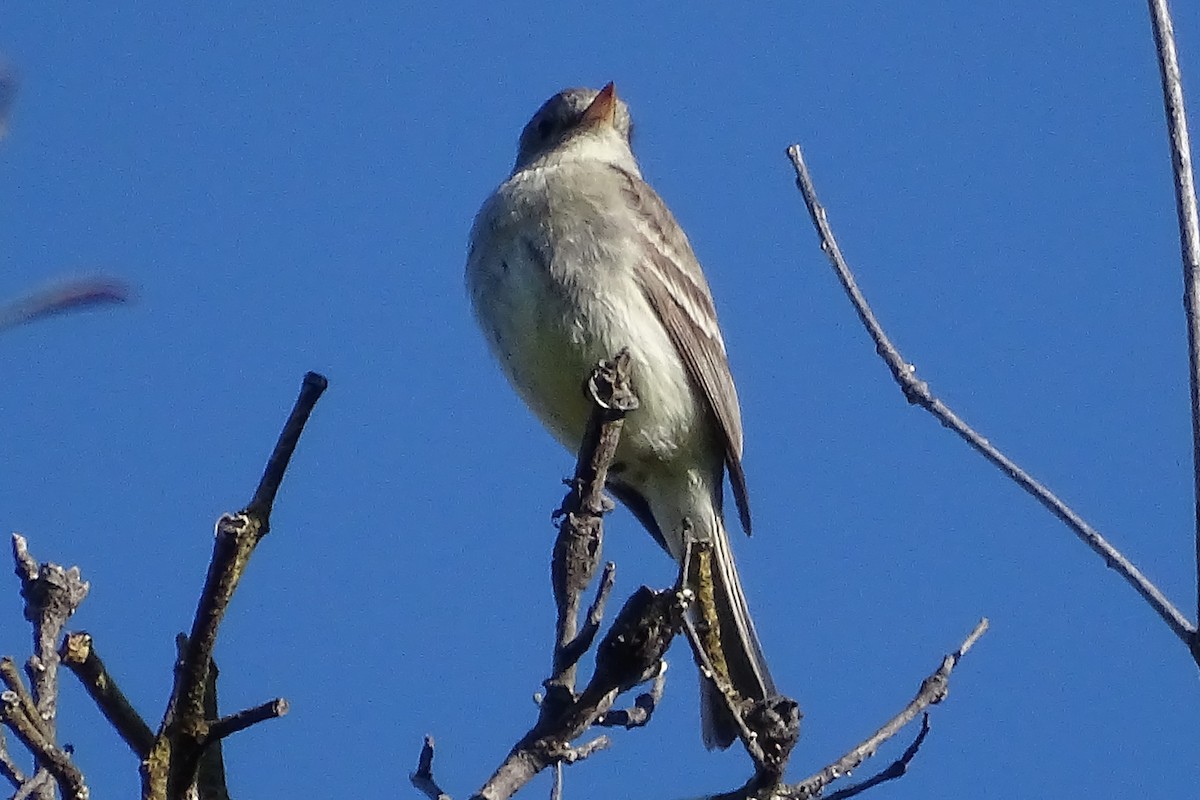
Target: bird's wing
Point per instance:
(675, 286)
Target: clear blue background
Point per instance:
(290, 188)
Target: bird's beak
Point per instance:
(604, 108)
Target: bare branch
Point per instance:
(1189, 236)
(700, 654)
(8, 767)
(569, 653)
(34, 736)
(210, 774)
(185, 732)
(933, 690)
(573, 755)
(918, 393)
(12, 679)
(632, 651)
(52, 593)
(227, 726)
(629, 654)
(260, 505)
(579, 543)
(639, 714)
(897, 769)
(768, 728)
(79, 655)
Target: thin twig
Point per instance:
(573, 755)
(642, 710)
(897, 769)
(933, 690)
(573, 650)
(1189, 236)
(918, 393)
(311, 389)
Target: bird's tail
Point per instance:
(732, 646)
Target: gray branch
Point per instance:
(918, 393)
(1189, 238)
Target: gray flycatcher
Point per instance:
(571, 259)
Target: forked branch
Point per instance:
(188, 728)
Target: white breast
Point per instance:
(551, 276)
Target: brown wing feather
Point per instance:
(675, 286)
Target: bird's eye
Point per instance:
(545, 127)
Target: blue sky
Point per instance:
(290, 189)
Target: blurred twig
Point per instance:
(61, 297)
(8, 95)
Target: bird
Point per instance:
(574, 257)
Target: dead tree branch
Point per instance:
(52, 594)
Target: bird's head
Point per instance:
(584, 122)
